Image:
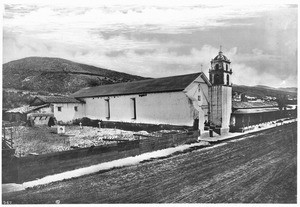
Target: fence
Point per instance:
(29, 168)
(129, 126)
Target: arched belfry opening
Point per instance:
(227, 81)
(217, 66)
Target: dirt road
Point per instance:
(259, 169)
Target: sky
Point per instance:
(158, 38)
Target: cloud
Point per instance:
(171, 19)
(108, 36)
(246, 75)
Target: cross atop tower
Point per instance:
(220, 48)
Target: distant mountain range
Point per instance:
(27, 77)
(261, 91)
(288, 89)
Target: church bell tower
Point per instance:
(220, 93)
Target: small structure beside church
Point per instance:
(64, 109)
(248, 114)
(20, 113)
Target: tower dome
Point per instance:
(220, 56)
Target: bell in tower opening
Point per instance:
(220, 93)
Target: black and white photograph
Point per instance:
(149, 102)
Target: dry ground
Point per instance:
(43, 139)
(260, 169)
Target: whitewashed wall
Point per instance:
(68, 113)
(226, 106)
(221, 105)
(198, 93)
(154, 108)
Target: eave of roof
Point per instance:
(26, 109)
(250, 105)
(58, 99)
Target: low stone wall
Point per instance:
(129, 126)
(33, 167)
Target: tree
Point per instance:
(281, 101)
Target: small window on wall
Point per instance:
(107, 109)
(133, 108)
(59, 108)
(226, 67)
(199, 98)
(75, 108)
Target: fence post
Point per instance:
(11, 137)
(4, 132)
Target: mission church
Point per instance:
(185, 100)
(190, 100)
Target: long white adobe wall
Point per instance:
(173, 108)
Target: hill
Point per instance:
(25, 78)
(263, 91)
(290, 89)
(57, 75)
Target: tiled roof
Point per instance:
(58, 99)
(249, 105)
(167, 84)
(41, 115)
(25, 109)
(254, 110)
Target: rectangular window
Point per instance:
(75, 108)
(59, 108)
(107, 109)
(133, 108)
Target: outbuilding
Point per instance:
(65, 109)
